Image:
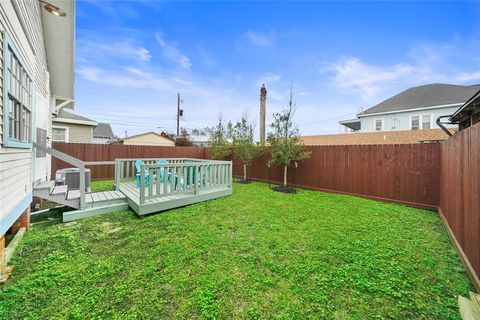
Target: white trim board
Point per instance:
(65, 120)
(409, 110)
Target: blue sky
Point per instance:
(132, 57)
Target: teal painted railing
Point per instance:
(174, 176)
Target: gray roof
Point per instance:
(425, 96)
(103, 130)
(68, 115)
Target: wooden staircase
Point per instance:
(470, 308)
(59, 194)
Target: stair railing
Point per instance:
(70, 160)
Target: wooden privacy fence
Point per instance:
(104, 152)
(459, 195)
(407, 173)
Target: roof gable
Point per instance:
(144, 134)
(103, 130)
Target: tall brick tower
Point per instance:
(263, 107)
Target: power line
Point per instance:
(326, 120)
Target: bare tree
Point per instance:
(285, 143)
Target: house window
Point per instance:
(17, 99)
(426, 121)
(60, 134)
(415, 122)
(379, 125)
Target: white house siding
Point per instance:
(401, 120)
(21, 19)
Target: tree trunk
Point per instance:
(285, 176)
(244, 171)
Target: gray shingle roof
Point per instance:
(103, 130)
(68, 115)
(425, 96)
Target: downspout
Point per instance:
(440, 124)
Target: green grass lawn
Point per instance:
(254, 255)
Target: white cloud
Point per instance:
(269, 79)
(129, 77)
(350, 75)
(259, 39)
(468, 76)
(123, 48)
(171, 52)
(207, 59)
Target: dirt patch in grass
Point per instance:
(284, 189)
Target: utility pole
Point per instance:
(263, 107)
(179, 113)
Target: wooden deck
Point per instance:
(170, 201)
(162, 184)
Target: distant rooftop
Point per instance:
(67, 116)
(103, 131)
(377, 137)
(429, 95)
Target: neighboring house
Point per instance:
(37, 79)
(200, 140)
(413, 109)
(72, 128)
(197, 140)
(383, 137)
(147, 139)
(468, 114)
(103, 134)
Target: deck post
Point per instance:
(117, 175)
(230, 175)
(82, 187)
(142, 184)
(197, 179)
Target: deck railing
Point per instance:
(173, 176)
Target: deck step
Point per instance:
(475, 298)
(59, 190)
(46, 185)
(73, 194)
(469, 308)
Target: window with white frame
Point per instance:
(426, 121)
(415, 122)
(378, 124)
(60, 134)
(18, 99)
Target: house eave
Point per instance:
(72, 121)
(361, 115)
(59, 35)
(458, 114)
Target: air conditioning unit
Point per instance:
(71, 178)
